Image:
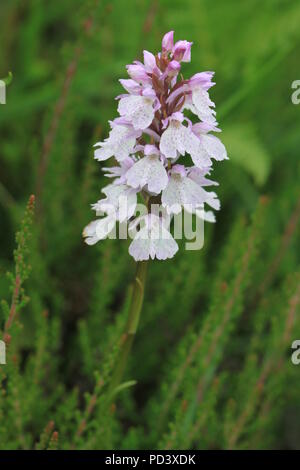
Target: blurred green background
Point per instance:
(238, 389)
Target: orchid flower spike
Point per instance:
(147, 140)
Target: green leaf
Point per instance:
(245, 148)
(123, 386)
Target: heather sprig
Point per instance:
(22, 270)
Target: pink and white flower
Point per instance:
(119, 172)
(183, 193)
(179, 139)
(148, 172)
(148, 138)
(153, 240)
(120, 200)
(139, 110)
(119, 144)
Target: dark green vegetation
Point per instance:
(212, 354)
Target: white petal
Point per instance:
(105, 226)
(103, 153)
(199, 176)
(139, 109)
(198, 153)
(128, 104)
(202, 103)
(153, 241)
(165, 247)
(91, 240)
(208, 216)
(119, 172)
(143, 117)
(89, 233)
(98, 229)
(120, 200)
(120, 144)
(213, 201)
(214, 147)
(172, 140)
(182, 191)
(148, 171)
(139, 248)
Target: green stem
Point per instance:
(135, 308)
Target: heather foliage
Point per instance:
(210, 366)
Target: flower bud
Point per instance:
(182, 51)
(168, 41)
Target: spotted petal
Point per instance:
(213, 147)
(172, 140)
(182, 191)
(148, 171)
(120, 200)
(202, 105)
(199, 175)
(119, 144)
(153, 241)
(139, 109)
